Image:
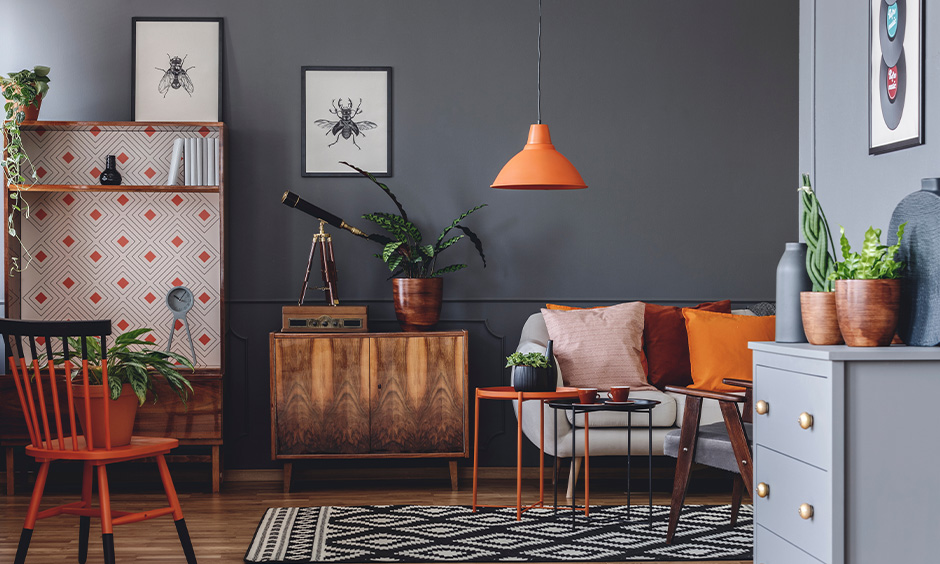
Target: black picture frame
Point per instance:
(890, 128)
(323, 112)
(136, 103)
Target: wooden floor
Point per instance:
(222, 525)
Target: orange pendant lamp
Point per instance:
(539, 166)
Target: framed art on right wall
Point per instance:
(895, 75)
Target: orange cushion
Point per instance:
(718, 346)
(599, 347)
(643, 360)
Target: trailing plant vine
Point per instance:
(21, 90)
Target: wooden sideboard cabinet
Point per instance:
(843, 453)
(369, 395)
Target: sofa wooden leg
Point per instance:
(573, 475)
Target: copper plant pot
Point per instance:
(122, 413)
(820, 322)
(868, 311)
(31, 112)
(418, 302)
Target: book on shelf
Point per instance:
(188, 163)
(172, 178)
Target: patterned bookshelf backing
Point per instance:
(75, 155)
(105, 255)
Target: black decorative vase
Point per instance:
(110, 176)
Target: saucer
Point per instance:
(612, 402)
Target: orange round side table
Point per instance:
(508, 393)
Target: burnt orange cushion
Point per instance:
(599, 347)
(666, 343)
(718, 346)
(643, 361)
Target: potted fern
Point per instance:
(416, 274)
(818, 307)
(868, 290)
(132, 364)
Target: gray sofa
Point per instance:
(608, 429)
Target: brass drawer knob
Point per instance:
(806, 511)
(806, 420)
(762, 407)
(763, 490)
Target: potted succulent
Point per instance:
(416, 275)
(23, 91)
(818, 307)
(531, 372)
(132, 363)
(868, 290)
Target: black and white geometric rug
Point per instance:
(412, 533)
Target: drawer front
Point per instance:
(771, 549)
(788, 395)
(792, 483)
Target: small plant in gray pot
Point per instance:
(532, 372)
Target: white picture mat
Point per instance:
(909, 127)
(322, 89)
(199, 43)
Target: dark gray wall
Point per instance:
(681, 117)
(856, 189)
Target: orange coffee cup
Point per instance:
(619, 393)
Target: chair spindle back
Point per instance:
(45, 363)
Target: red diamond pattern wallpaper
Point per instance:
(76, 156)
(101, 255)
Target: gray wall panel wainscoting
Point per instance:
(682, 117)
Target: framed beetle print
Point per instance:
(177, 69)
(346, 115)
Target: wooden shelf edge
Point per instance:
(141, 124)
(119, 188)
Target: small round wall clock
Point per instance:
(180, 300)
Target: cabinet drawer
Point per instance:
(771, 549)
(791, 484)
(788, 395)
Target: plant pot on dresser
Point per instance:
(842, 474)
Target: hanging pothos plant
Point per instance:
(20, 90)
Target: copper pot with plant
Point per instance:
(868, 290)
(131, 365)
(417, 285)
(818, 307)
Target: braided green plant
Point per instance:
(820, 248)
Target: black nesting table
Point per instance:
(631, 407)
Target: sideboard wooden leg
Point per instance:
(11, 483)
(453, 474)
(288, 468)
(216, 470)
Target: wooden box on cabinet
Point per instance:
(112, 252)
(369, 395)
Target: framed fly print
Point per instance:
(177, 69)
(346, 115)
(895, 75)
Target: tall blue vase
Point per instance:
(791, 280)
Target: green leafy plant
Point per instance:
(20, 89)
(533, 359)
(404, 253)
(131, 361)
(820, 248)
(875, 262)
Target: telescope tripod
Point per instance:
(324, 243)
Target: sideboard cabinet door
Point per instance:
(322, 387)
(418, 400)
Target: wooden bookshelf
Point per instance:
(112, 252)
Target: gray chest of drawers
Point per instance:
(846, 454)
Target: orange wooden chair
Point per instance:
(54, 434)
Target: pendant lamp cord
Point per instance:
(538, 74)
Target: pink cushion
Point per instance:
(599, 348)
